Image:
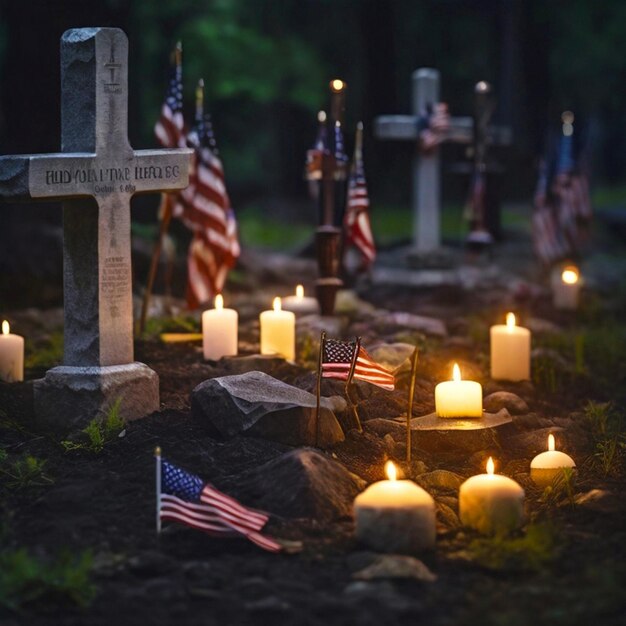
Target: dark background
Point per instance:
(267, 63)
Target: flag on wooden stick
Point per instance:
(357, 226)
(170, 127)
(185, 498)
(337, 358)
(204, 206)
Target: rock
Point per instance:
(447, 516)
(505, 400)
(396, 566)
(382, 427)
(263, 406)
(348, 303)
(440, 479)
(540, 326)
(531, 421)
(427, 325)
(390, 444)
(269, 364)
(300, 483)
(600, 500)
(392, 355)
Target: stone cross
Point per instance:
(95, 176)
(426, 198)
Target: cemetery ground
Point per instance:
(78, 541)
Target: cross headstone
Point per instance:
(95, 176)
(426, 168)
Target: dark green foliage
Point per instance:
(99, 432)
(606, 425)
(530, 552)
(26, 471)
(46, 354)
(26, 581)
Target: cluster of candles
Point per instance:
(399, 516)
(278, 327)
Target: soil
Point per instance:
(105, 503)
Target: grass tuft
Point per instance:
(100, 431)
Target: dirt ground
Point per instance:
(566, 566)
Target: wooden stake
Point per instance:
(409, 411)
(165, 210)
(157, 457)
(319, 388)
(353, 407)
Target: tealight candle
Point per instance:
(510, 351)
(219, 331)
(566, 289)
(11, 355)
(545, 467)
(395, 516)
(458, 398)
(304, 305)
(278, 332)
(491, 503)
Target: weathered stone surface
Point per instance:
(440, 479)
(265, 407)
(446, 516)
(498, 400)
(600, 500)
(427, 325)
(392, 355)
(301, 483)
(396, 566)
(349, 303)
(69, 397)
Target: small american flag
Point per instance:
(185, 498)
(357, 226)
(204, 206)
(170, 127)
(337, 360)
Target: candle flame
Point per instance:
(337, 85)
(510, 320)
(570, 276)
(299, 291)
(490, 466)
(321, 117)
(5, 328)
(219, 302)
(551, 442)
(277, 304)
(456, 372)
(390, 470)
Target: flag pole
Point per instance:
(355, 356)
(157, 458)
(409, 412)
(318, 391)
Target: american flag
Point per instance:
(170, 127)
(357, 226)
(337, 360)
(185, 498)
(204, 206)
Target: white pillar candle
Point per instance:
(395, 516)
(491, 503)
(458, 398)
(219, 331)
(301, 304)
(278, 332)
(545, 467)
(510, 351)
(11, 355)
(566, 289)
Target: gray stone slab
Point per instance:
(433, 422)
(67, 398)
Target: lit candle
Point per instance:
(566, 289)
(300, 303)
(545, 467)
(510, 351)
(11, 355)
(395, 515)
(278, 332)
(219, 331)
(458, 398)
(491, 503)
